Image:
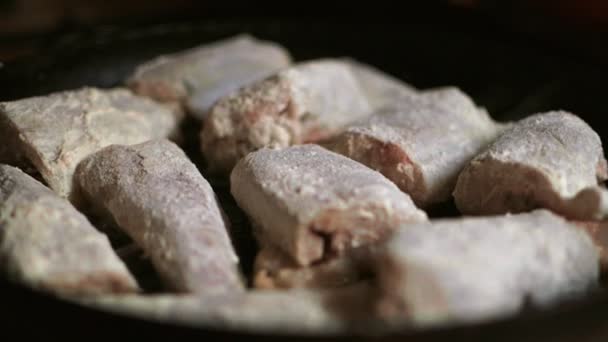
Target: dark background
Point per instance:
(513, 57)
(576, 25)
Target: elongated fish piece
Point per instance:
(157, 196)
(550, 160)
(301, 311)
(45, 243)
(304, 103)
(421, 142)
(472, 269)
(380, 88)
(313, 204)
(598, 230)
(8, 152)
(198, 77)
(55, 132)
(274, 269)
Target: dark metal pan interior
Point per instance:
(510, 78)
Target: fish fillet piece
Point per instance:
(472, 269)
(47, 244)
(311, 203)
(274, 269)
(198, 77)
(9, 154)
(55, 132)
(158, 197)
(299, 311)
(304, 103)
(599, 234)
(550, 160)
(421, 142)
(380, 88)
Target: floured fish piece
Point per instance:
(421, 142)
(47, 244)
(380, 88)
(294, 311)
(274, 269)
(312, 204)
(304, 103)
(551, 160)
(472, 269)
(201, 75)
(55, 132)
(158, 197)
(8, 143)
(599, 234)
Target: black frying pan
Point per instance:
(506, 74)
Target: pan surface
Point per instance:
(511, 78)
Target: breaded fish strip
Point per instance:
(471, 269)
(313, 204)
(274, 269)
(55, 132)
(421, 142)
(45, 243)
(380, 88)
(550, 160)
(198, 77)
(158, 197)
(304, 103)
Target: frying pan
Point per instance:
(511, 76)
